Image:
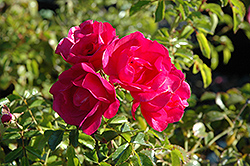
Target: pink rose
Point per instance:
(172, 111)
(82, 96)
(86, 43)
(144, 68)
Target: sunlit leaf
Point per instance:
(175, 158)
(203, 43)
(160, 11)
(139, 139)
(72, 159)
(87, 140)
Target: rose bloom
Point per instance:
(86, 43)
(82, 96)
(144, 68)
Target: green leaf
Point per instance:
(34, 151)
(203, 43)
(160, 11)
(13, 155)
(187, 31)
(73, 137)
(214, 22)
(208, 96)
(226, 55)
(119, 150)
(109, 135)
(239, 12)
(124, 155)
(145, 160)
(55, 139)
(206, 75)
(25, 161)
(215, 8)
(87, 140)
(175, 158)
(92, 156)
(13, 97)
(215, 115)
(214, 57)
(20, 109)
(35, 68)
(139, 139)
(72, 159)
(104, 164)
(185, 53)
(136, 7)
(4, 101)
(118, 120)
(209, 137)
(224, 3)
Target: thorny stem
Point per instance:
(32, 116)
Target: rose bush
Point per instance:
(82, 96)
(144, 68)
(86, 43)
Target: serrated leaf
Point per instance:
(118, 120)
(87, 140)
(55, 139)
(13, 155)
(145, 160)
(92, 156)
(119, 150)
(124, 155)
(160, 11)
(139, 139)
(203, 43)
(136, 7)
(73, 137)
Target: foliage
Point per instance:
(214, 129)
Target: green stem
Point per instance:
(220, 135)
